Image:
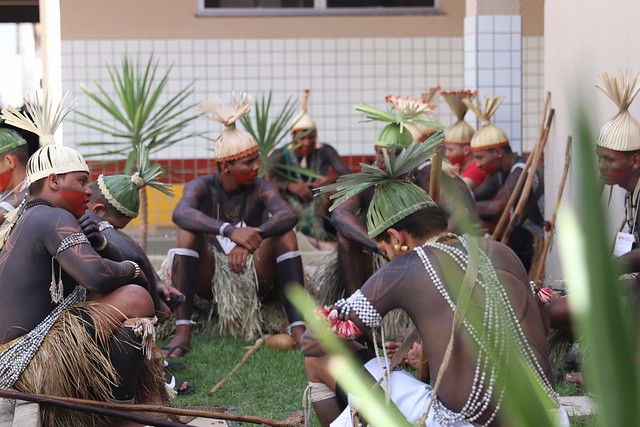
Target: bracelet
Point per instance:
(222, 228)
(103, 245)
(136, 268)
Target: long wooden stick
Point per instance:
(516, 218)
(503, 222)
(256, 346)
(434, 177)
(539, 272)
(86, 405)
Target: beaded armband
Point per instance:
(72, 240)
(362, 307)
(103, 225)
(7, 206)
(103, 245)
(136, 268)
(345, 329)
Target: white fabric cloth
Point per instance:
(412, 397)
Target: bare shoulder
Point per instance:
(503, 258)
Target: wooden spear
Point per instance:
(256, 346)
(501, 226)
(124, 409)
(539, 271)
(516, 218)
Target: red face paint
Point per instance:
(76, 198)
(305, 150)
(456, 160)
(246, 178)
(612, 176)
(491, 167)
(5, 178)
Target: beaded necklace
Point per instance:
(499, 328)
(631, 211)
(314, 165)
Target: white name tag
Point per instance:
(226, 243)
(624, 243)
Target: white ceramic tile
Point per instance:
(470, 79)
(502, 42)
(516, 42)
(470, 43)
(485, 78)
(516, 77)
(516, 58)
(516, 23)
(502, 59)
(502, 77)
(470, 25)
(485, 24)
(485, 41)
(485, 60)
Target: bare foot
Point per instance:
(575, 378)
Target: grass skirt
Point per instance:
(73, 363)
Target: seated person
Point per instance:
(424, 277)
(493, 154)
(225, 220)
(14, 154)
(88, 329)
(321, 159)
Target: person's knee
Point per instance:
(286, 242)
(313, 368)
(134, 301)
(186, 239)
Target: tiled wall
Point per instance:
(340, 73)
(533, 90)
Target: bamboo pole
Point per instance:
(124, 409)
(528, 185)
(539, 272)
(501, 226)
(434, 177)
(253, 349)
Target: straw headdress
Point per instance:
(488, 136)
(10, 139)
(423, 112)
(232, 143)
(403, 114)
(460, 132)
(43, 120)
(622, 132)
(395, 197)
(123, 191)
(304, 120)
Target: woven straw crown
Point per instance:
(304, 120)
(43, 120)
(232, 143)
(460, 132)
(488, 136)
(622, 132)
(10, 139)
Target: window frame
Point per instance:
(320, 9)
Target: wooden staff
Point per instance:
(539, 271)
(501, 226)
(516, 218)
(124, 409)
(434, 177)
(256, 346)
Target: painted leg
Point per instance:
(126, 356)
(289, 271)
(355, 264)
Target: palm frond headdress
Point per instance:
(10, 139)
(43, 119)
(123, 191)
(488, 136)
(395, 197)
(622, 132)
(233, 143)
(460, 132)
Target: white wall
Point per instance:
(583, 38)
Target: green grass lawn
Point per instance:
(270, 384)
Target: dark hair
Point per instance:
(21, 153)
(36, 187)
(418, 224)
(98, 197)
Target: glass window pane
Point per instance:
(240, 4)
(380, 3)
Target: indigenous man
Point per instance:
(457, 140)
(493, 154)
(355, 247)
(321, 159)
(61, 345)
(229, 221)
(14, 154)
(427, 277)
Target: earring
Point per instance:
(404, 248)
(396, 248)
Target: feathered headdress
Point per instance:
(43, 120)
(404, 114)
(395, 197)
(123, 191)
(233, 143)
(488, 136)
(622, 132)
(304, 120)
(460, 132)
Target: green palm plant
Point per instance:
(138, 116)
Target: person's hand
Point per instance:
(238, 259)
(247, 237)
(301, 189)
(391, 347)
(413, 356)
(169, 295)
(91, 229)
(325, 180)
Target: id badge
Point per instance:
(624, 243)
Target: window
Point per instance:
(314, 7)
